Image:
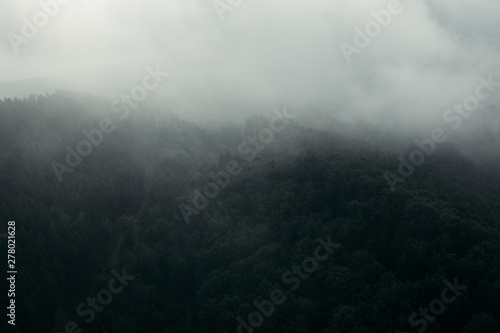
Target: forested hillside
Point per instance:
(214, 234)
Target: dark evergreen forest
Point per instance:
(253, 258)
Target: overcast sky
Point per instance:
(266, 53)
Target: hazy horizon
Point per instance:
(233, 59)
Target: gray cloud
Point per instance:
(267, 53)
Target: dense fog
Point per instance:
(238, 58)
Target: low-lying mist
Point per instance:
(388, 73)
